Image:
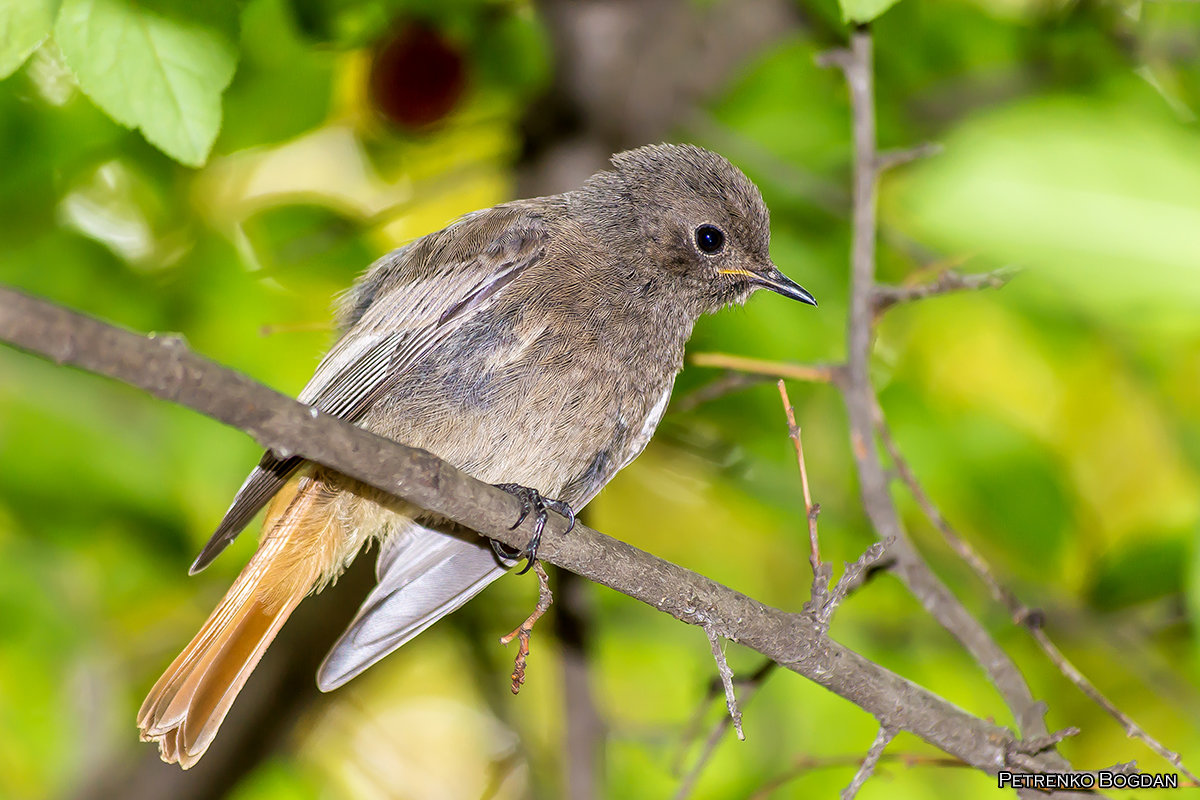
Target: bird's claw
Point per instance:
(531, 501)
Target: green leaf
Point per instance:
(24, 25)
(861, 11)
(157, 66)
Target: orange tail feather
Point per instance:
(188, 703)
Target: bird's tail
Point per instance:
(188, 703)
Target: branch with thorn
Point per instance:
(824, 602)
(889, 159)
(821, 606)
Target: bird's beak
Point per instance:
(771, 278)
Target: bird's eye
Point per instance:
(710, 239)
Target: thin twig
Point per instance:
(1021, 753)
(895, 158)
(957, 543)
(806, 764)
(882, 740)
(949, 281)
(927, 264)
(728, 383)
(824, 602)
(1031, 747)
(726, 674)
(749, 687)
(525, 629)
(851, 578)
(1131, 728)
(1030, 618)
(813, 373)
(811, 511)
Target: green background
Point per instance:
(229, 191)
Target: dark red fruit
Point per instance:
(417, 76)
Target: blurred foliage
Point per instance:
(1057, 421)
(862, 11)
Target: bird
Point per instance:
(533, 345)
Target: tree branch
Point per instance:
(1030, 618)
(166, 368)
(856, 62)
(524, 632)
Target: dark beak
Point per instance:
(777, 282)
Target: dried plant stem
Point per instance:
(814, 373)
(811, 511)
(525, 629)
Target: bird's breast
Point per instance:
(549, 400)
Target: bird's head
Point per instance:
(704, 223)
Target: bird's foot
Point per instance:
(531, 502)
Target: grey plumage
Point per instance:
(422, 575)
(535, 343)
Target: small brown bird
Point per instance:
(535, 344)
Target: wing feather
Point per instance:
(423, 575)
(405, 304)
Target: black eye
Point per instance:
(710, 239)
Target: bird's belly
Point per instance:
(559, 417)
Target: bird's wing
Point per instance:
(424, 574)
(406, 303)
(626, 445)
